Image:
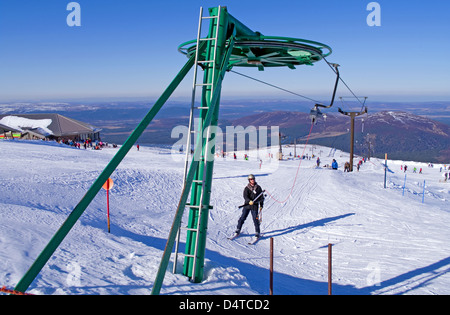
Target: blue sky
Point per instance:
(128, 48)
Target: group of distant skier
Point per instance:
(445, 170)
(446, 173)
(334, 164)
(405, 168)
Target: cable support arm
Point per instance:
(335, 66)
(355, 114)
(315, 111)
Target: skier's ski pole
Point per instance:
(257, 197)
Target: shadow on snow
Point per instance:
(258, 277)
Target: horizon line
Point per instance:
(60, 100)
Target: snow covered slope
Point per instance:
(383, 242)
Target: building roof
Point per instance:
(46, 124)
(4, 129)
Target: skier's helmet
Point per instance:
(251, 176)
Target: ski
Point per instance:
(254, 240)
(234, 236)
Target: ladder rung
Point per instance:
(189, 229)
(203, 84)
(187, 255)
(201, 107)
(207, 39)
(198, 207)
(210, 17)
(197, 181)
(205, 61)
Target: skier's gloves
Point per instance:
(250, 203)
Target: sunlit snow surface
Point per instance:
(383, 242)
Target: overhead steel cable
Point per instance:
(274, 86)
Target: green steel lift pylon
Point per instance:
(201, 188)
(198, 180)
(229, 43)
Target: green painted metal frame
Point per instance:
(200, 194)
(248, 48)
(257, 50)
(196, 171)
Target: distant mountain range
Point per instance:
(400, 134)
(415, 131)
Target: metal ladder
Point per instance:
(191, 131)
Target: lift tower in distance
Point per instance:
(352, 128)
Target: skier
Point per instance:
(346, 167)
(334, 165)
(251, 192)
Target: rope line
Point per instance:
(296, 175)
(13, 292)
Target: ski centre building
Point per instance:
(46, 127)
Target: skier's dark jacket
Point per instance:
(250, 193)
